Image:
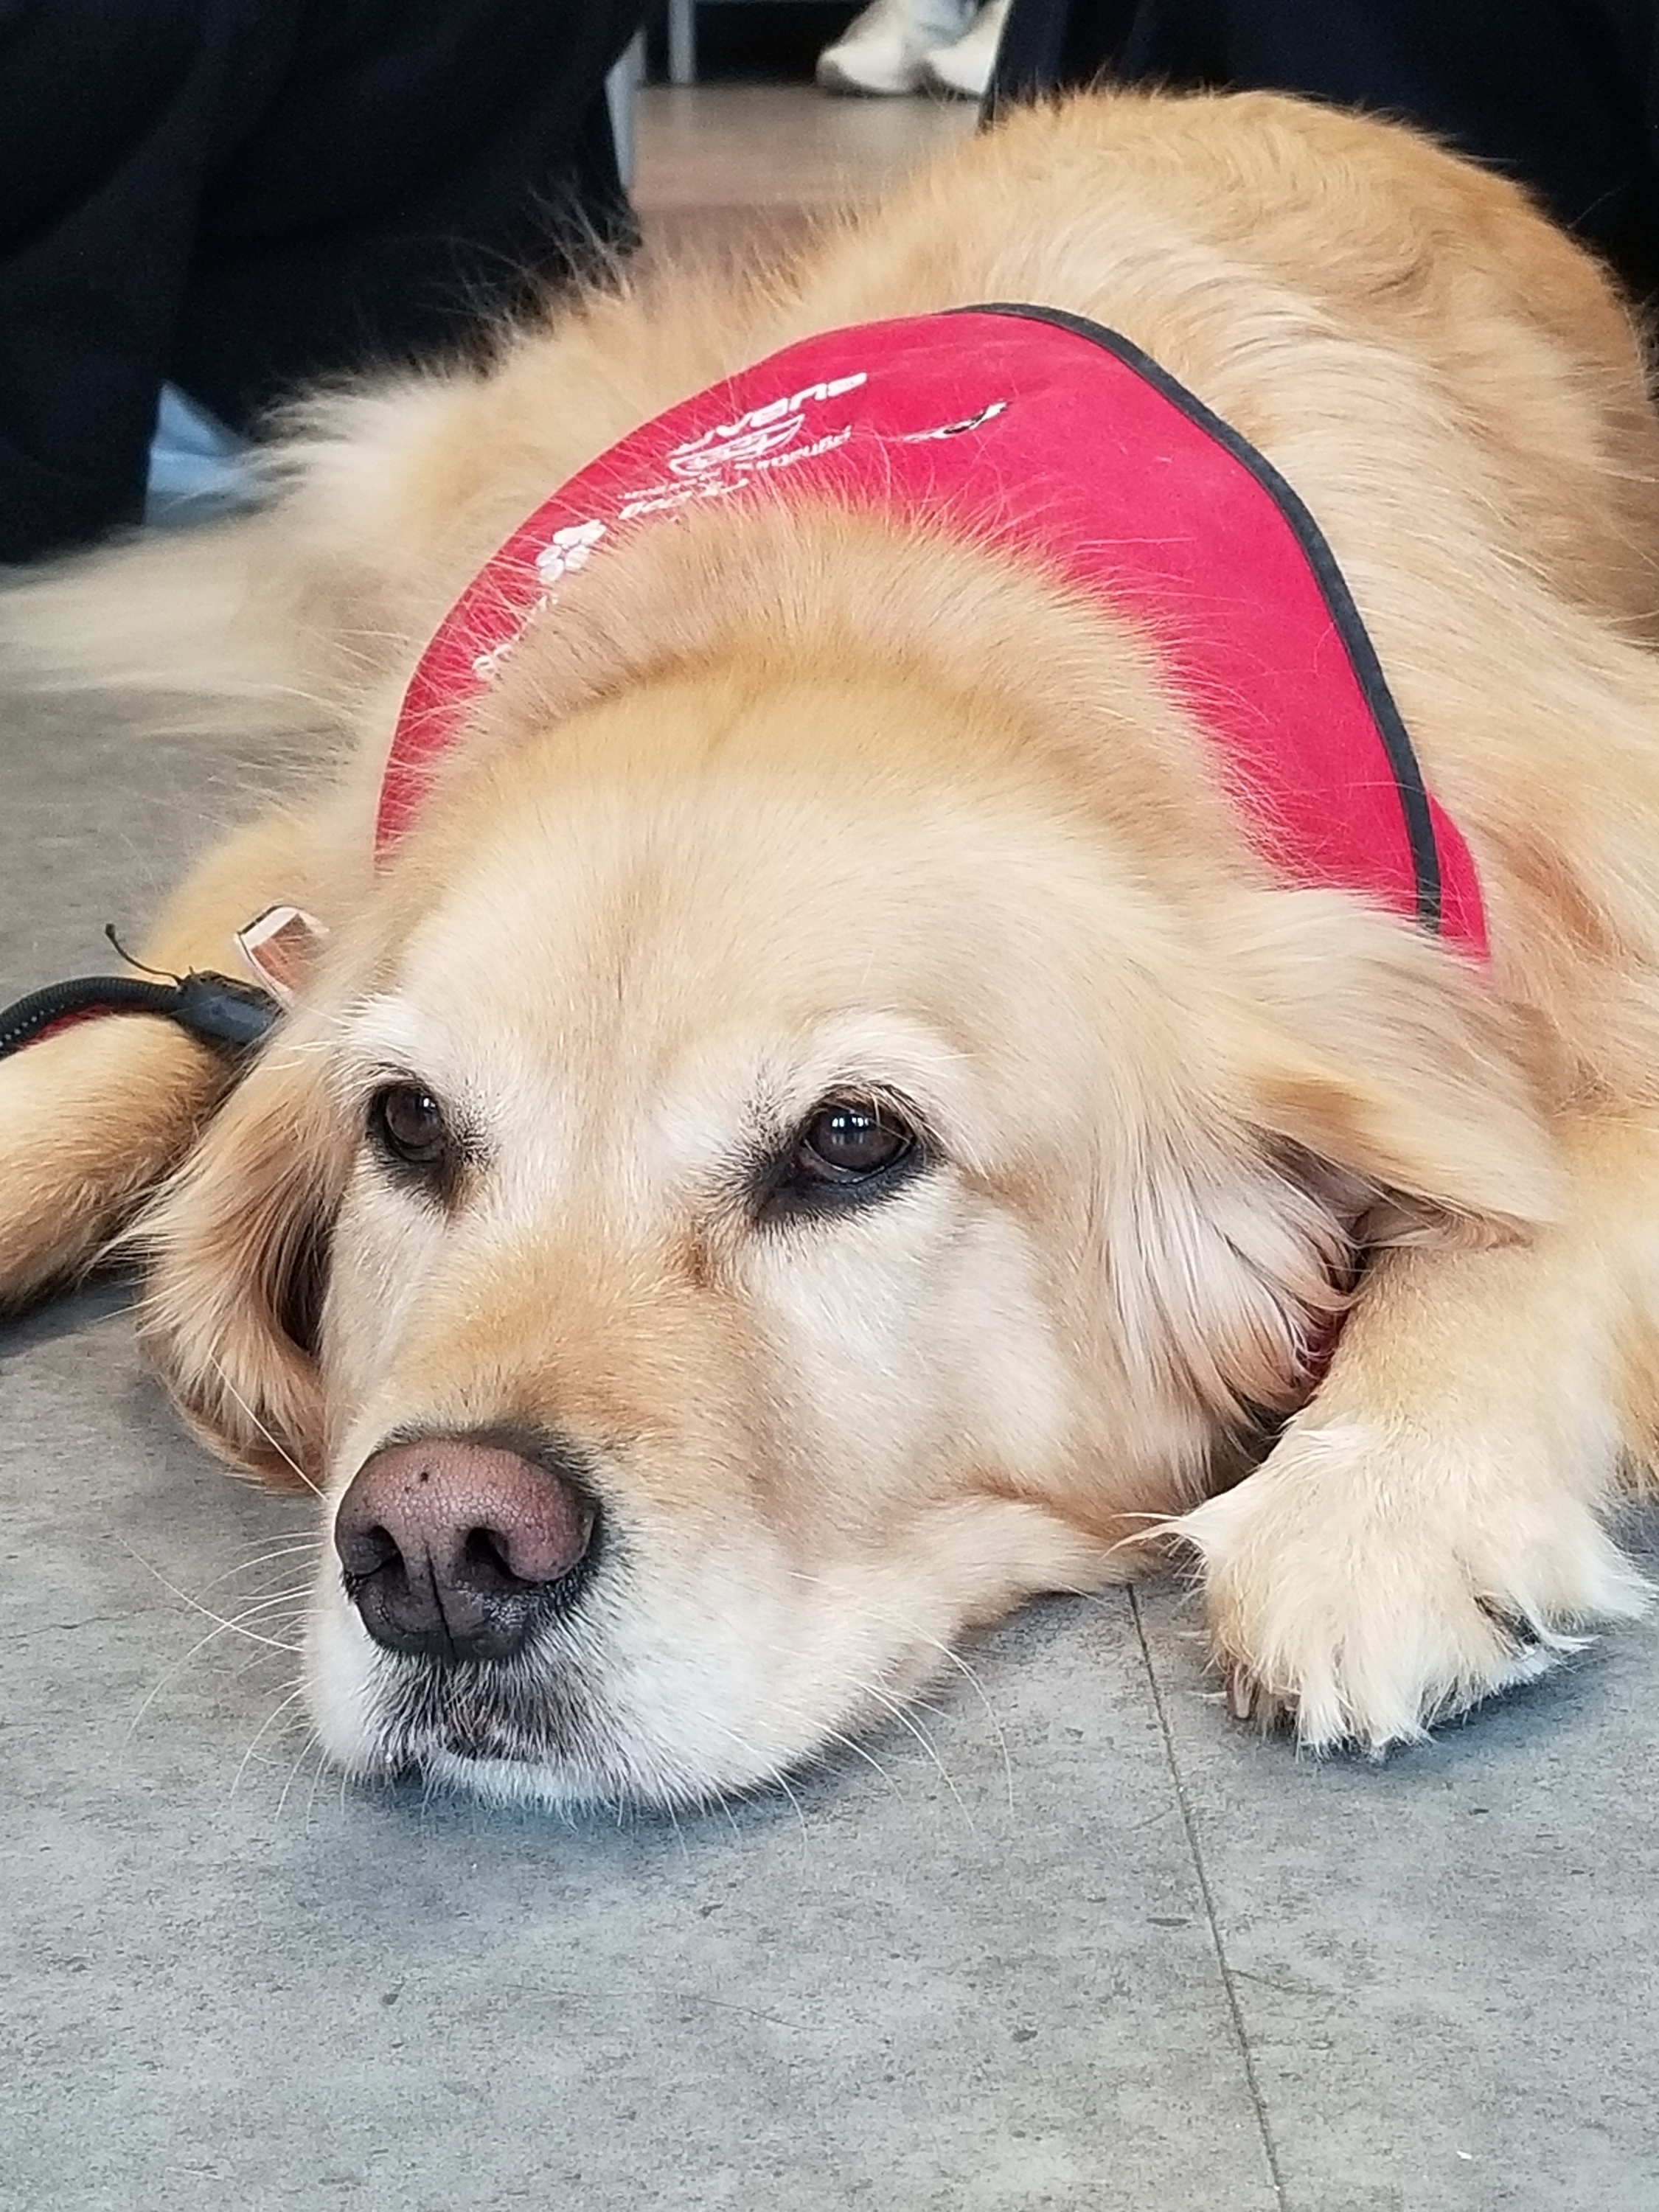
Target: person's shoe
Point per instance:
(881, 51)
(963, 68)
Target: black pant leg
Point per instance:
(245, 193)
(426, 165)
(111, 115)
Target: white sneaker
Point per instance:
(963, 68)
(881, 51)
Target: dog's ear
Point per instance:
(237, 1245)
(1371, 1090)
(1387, 1073)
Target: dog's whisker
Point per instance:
(294, 1595)
(317, 1773)
(913, 1727)
(777, 1778)
(851, 1744)
(276, 1443)
(976, 1682)
(311, 1742)
(220, 1621)
(783, 1783)
(279, 1557)
(679, 1835)
(171, 1674)
(257, 1543)
(887, 1618)
(284, 1705)
(294, 1560)
(272, 1602)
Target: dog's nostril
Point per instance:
(456, 1548)
(365, 1550)
(508, 1559)
(486, 1550)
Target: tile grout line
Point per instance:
(1229, 1986)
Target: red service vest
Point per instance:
(1036, 432)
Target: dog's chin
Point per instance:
(523, 1734)
(504, 1743)
(518, 1713)
(473, 1748)
(507, 1782)
(539, 1731)
(561, 1755)
(567, 1785)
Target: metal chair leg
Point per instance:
(620, 88)
(682, 41)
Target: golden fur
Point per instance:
(786, 805)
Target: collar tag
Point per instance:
(279, 946)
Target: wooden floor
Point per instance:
(741, 165)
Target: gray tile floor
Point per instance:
(1072, 1940)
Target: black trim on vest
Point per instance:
(1339, 600)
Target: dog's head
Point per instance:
(778, 1172)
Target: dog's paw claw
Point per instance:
(1240, 1693)
(1248, 1697)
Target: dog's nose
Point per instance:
(455, 1548)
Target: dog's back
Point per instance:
(1285, 262)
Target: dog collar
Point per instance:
(1035, 431)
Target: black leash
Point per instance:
(232, 1017)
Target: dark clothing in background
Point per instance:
(242, 195)
(1562, 94)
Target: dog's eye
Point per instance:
(848, 1141)
(407, 1125)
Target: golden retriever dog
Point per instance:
(830, 1117)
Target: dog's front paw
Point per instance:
(90, 1119)
(1363, 1581)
